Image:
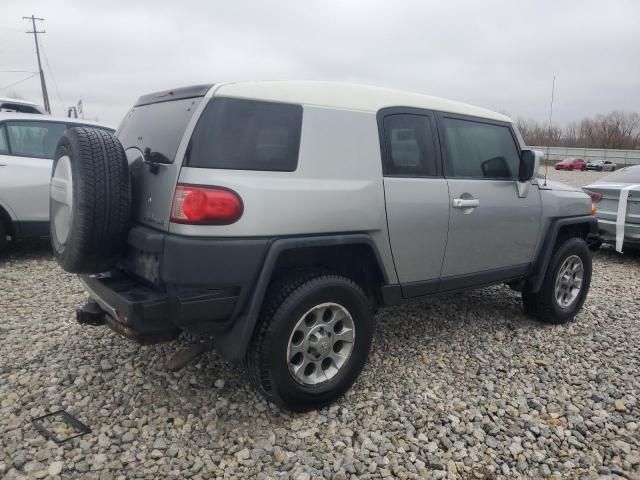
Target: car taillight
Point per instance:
(595, 196)
(203, 205)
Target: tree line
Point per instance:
(619, 130)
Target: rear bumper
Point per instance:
(168, 283)
(607, 231)
(149, 316)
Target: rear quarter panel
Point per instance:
(336, 188)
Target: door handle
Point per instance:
(465, 203)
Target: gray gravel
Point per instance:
(460, 386)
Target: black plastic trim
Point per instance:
(414, 291)
(539, 266)
(484, 278)
(31, 229)
(419, 289)
(233, 344)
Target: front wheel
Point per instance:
(313, 339)
(565, 285)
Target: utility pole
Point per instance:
(45, 95)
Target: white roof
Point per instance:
(346, 96)
(47, 118)
(21, 102)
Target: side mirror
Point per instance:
(529, 163)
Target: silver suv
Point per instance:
(277, 216)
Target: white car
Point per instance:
(22, 106)
(27, 146)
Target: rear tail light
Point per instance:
(595, 196)
(208, 206)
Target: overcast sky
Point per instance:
(497, 54)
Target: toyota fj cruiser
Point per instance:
(277, 216)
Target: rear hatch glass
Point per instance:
(158, 127)
(151, 135)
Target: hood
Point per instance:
(557, 186)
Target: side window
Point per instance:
(4, 146)
(247, 135)
(410, 145)
(34, 139)
(480, 150)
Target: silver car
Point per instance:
(601, 166)
(27, 147)
(616, 198)
(277, 216)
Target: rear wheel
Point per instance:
(565, 285)
(313, 338)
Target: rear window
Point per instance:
(241, 134)
(157, 126)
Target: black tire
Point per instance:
(101, 201)
(595, 245)
(543, 304)
(285, 304)
(3, 236)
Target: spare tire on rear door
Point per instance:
(90, 200)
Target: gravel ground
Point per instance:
(459, 387)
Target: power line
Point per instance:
(17, 71)
(19, 81)
(45, 95)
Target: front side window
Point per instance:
(480, 150)
(410, 146)
(34, 139)
(4, 146)
(241, 134)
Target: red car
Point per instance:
(571, 164)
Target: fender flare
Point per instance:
(539, 267)
(233, 344)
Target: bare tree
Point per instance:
(617, 130)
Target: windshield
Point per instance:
(626, 175)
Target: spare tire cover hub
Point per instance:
(62, 198)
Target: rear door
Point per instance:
(492, 231)
(152, 134)
(26, 152)
(416, 197)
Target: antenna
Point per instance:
(546, 163)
